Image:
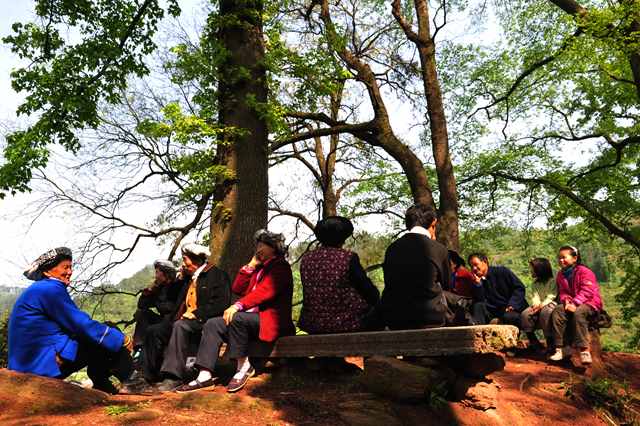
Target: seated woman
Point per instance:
(265, 287)
(337, 294)
(462, 280)
(580, 299)
(543, 301)
(462, 294)
(49, 336)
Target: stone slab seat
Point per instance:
(429, 342)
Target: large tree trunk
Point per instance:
(241, 206)
(448, 230)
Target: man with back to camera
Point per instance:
(416, 269)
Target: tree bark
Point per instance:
(327, 165)
(448, 230)
(240, 205)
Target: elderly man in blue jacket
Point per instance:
(49, 336)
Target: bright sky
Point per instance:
(24, 241)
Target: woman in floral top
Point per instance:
(337, 294)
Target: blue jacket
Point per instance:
(45, 321)
(502, 288)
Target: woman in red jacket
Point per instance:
(263, 311)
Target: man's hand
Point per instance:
(188, 315)
(128, 343)
(229, 313)
(535, 309)
(570, 307)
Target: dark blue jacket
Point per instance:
(502, 288)
(45, 321)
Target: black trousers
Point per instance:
(183, 332)
(481, 314)
(244, 328)
(575, 323)
(144, 319)
(101, 364)
(156, 339)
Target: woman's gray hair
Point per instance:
(273, 240)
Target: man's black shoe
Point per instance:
(168, 385)
(106, 386)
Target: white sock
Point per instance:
(203, 375)
(243, 366)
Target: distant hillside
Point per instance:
(8, 296)
(117, 306)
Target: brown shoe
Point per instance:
(236, 384)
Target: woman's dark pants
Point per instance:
(244, 328)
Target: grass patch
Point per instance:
(116, 410)
(614, 402)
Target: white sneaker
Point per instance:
(557, 355)
(585, 357)
(562, 353)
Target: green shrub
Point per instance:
(4, 339)
(611, 399)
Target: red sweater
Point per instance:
(463, 282)
(270, 288)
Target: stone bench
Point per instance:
(429, 342)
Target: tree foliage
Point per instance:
(67, 80)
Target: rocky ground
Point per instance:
(528, 391)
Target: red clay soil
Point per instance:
(531, 392)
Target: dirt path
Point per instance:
(531, 392)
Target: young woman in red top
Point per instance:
(462, 281)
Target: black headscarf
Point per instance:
(333, 231)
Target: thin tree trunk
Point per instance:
(240, 207)
(381, 133)
(328, 165)
(448, 231)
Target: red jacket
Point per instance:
(270, 288)
(463, 282)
